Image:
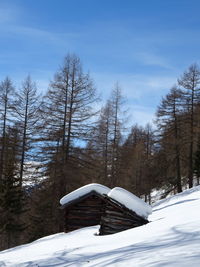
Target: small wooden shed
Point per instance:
(84, 206)
(115, 210)
(123, 211)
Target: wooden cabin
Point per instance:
(117, 218)
(123, 211)
(84, 207)
(115, 210)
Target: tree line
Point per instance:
(53, 144)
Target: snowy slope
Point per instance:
(171, 239)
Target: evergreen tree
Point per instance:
(197, 162)
(12, 196)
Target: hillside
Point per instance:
(172, 238)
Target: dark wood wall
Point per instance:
(94, 209)
(117, 218)
(86, 212)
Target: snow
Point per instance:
(98, 188)
(172, 238)
(119, 194)
(130, 201)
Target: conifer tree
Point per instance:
(169, 124)
(107, 139)
(197, 162)
(190, 85)
(12, 195)
(26, 113)
(67, 109)
(6, 104)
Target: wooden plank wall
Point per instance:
(117, 219)
(85, 213)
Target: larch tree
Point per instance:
(148, 173)
(68, 108)
(12, 196)
(134, 149)
(100, 145)
(190, 85)
(6, 103)
(26, 112)
(107, 139)
(116, 105)
(197, 162)
(169, 125)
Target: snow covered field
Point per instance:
(172, 238)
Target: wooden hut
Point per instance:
(123, 211)
(84, 206)
(115, 210)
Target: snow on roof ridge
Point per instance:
(100, 189)
(130, 201)
(119, 194)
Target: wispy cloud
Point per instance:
(12, 24)
(8, 14)
(141, 115)
(112, 49)
(135, 86)
(142, 93)
(35, 35)
(152, 59)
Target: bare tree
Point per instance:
(168, 121)
(67, 111)
(6, 101)
(190, 85)
(26, 111)
(107, 138)
(117, 121)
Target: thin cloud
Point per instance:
(141, 115)
(153, 59)
(142, 93)
(8, 14)
(134, 86)
(35, 34)
(12, 24)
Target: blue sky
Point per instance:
(144, 45)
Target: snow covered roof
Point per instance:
(119, 194)
(130, 201)
(98, 188)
